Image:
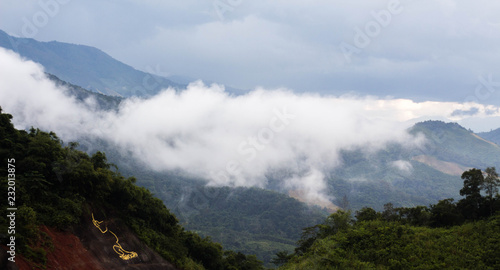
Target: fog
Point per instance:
(226, 139)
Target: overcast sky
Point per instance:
(440, 50)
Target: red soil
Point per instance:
(68, 253)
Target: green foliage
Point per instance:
(37, 255)
(336, 222)
(491, 182)
(379, 244)
(471, 205)
(417, 216)
(402, 238)
(281, 258)
(445, 213)
(238, 261)
(246, 220)
(366, 214)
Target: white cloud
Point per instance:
(228, 140)
(402, 165)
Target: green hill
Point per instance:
(451, 142)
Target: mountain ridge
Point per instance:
(88, 67)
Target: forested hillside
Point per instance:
(447, 235)
(249, 220)
(61, 188)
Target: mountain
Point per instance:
(88, 67)
(492, 136)
(409, 176)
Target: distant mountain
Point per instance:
(493, 136)
(88, 67)
(452, 142)
(103, 102)
(412, 176)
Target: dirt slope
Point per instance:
(87, 248)
(442, 166)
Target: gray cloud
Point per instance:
(471, 111)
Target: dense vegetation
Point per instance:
(247, 220)
(447, 235)
(56, 186)
(254, 221)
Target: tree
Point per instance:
(417, 216)
(344, 204)
(366, 214)
(338, 221)
(445, 213)
(491, 182)
(470, 206)
(281, 258)
(99, 160)
(490, 186)
(389, 213)
(473, 179)
(309, 235)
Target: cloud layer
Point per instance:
(225, 139)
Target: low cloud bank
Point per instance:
(225, 139)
